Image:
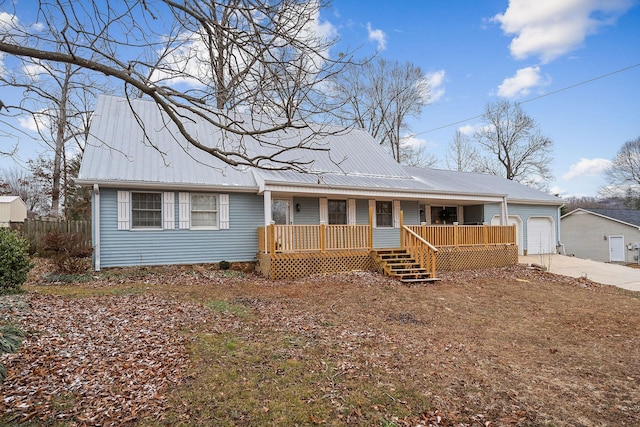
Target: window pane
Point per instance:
(204, 210)
(146, 210)
(444, 215)
(384, 214)
(337, 211)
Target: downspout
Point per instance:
(96, 227)
(504, 215)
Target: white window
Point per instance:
(204, 210)
(337, 211)
(146, 210)
(384, 213)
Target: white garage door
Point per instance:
(541, 237)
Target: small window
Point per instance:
(204, 211)
(337, 211)
(384, 214)
(146, 210)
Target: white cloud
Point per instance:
(549, 29)
(435, 81)
(377, 36)
(521, 83)
(587, 167)
(28, 122)
(412, 141)
(468, 129)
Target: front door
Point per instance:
(281, 211)
(616, 248)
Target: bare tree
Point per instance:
(20, 182)
(512, 146)
(461, 154)
(623, 176)
(209, 60)
(379, 96)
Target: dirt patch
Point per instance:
(193, 346)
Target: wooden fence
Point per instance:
(466, 235)
(313, 238)
(36, 230)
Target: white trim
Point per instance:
(184, 202)
(372, 208)
(324, 210)
(168, 210)
(124, 210)
(223, 211)
(96, 227)
(396, 214)
(351, 212)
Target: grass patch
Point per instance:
(224, 307)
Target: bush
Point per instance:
(224, 265)
(10, 341)
(14, 261)
(68, 252)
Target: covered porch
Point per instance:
(289, 251)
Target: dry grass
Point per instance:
(500, 347)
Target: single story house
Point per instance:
(158, 200)
(608, 235)
(12, 209)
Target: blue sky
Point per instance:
(520, 50)
(475, 51)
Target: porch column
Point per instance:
(95, 227)
(267, 217)
(504, 212)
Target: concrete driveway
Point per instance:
(600, 272)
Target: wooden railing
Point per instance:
(466, 235)
(313, 238)
(422, 251)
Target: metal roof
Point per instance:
(133, 143)
(478, 183)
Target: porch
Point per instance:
(289, 251)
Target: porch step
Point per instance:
(400, 264)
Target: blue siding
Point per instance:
(411, 210)
(157, 247)
(386, 238)
(525, 212)
(309, 211)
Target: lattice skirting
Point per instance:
(288, 266)
(475, 257)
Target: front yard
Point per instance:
(191, 346)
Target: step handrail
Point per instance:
(420, 239)
(423, 251)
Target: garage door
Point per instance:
(541, 237)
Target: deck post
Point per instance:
(370, 228)
(456, 241)
(485, 235)
(401, 233)
(271, 240)
(323, 237)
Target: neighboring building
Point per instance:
(162, 201)
(609, 235)
(12, 209)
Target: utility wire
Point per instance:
(535, 98)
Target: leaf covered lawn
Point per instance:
(192, 346)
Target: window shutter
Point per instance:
(124, 210)
(351, 211)
(169, 210)
(223, 211)
(427, 214)
(184, 202)
(372, 207)
(460, 215)
(324, 210)
(396, 214)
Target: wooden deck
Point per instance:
(289, 251)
